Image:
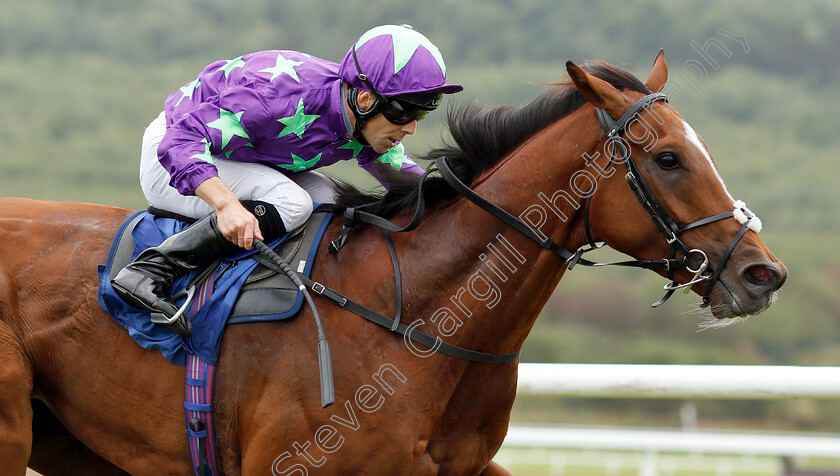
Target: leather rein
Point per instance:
(663, 221)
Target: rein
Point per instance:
(660, 217)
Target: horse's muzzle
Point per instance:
(755, 284)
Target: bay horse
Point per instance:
(79, 397)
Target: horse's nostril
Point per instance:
(759, 272)
(762, 276)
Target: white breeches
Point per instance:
(292, 195)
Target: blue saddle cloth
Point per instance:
(210, 309)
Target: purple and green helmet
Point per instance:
(394, 61)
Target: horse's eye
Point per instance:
(668, 162)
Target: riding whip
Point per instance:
(324, 361)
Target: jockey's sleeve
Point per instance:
(215, 127)
(396, 158)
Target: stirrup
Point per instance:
(178, 322)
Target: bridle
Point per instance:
(663, 221)
(660, 217)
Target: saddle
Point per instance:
(268, 295)
(235, 290)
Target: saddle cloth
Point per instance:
(238, 290)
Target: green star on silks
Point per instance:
(230, 126)
(283, 66)
(356, 147)
(299, 164)
(296, 124)
(188, 91)
(231, 65)
(406, 42)
(206, 155)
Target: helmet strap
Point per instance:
(361, 115)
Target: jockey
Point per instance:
(235, 148)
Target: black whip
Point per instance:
(324, 361)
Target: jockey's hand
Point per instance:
(236, 223)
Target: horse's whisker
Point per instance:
(707, 317)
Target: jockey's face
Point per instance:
(380, 133)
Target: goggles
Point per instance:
(400, 111)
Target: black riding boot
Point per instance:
(144, 283)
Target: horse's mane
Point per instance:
(482, 138)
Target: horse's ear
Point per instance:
(659, 74)
(597, 91)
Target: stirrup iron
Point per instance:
(179, 322)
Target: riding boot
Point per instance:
(145, 282)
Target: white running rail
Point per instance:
(734, 382)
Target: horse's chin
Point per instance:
(725, 304)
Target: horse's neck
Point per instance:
(489, 281)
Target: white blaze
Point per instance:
(695, 140)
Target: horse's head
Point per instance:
(668, 184)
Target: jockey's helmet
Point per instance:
(401, 68)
